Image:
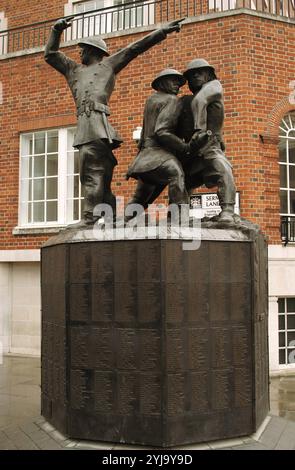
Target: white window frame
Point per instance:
(290, 347)
(264, 6)
(63, 183)
(3, 38)
(287, 127)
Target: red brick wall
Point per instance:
(254, 58)
(23, 12)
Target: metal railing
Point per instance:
(133, 15)
(288, 230)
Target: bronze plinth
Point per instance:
(145, 343)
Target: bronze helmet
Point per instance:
(168, 73)
(197, 64)
(96, 42)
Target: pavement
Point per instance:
(22, 427)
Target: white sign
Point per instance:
(207, 205)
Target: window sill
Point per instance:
(37, 230)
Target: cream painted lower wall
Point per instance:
(26, 313)
(5, 306)
(281, 266)
(20, 300)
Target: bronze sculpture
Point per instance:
(204, 111)
(92, 84)
(156, 165)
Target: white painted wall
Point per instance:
(281, 265)
(20, 301)
(25, 308)
(5, 307)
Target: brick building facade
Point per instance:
(250, 44)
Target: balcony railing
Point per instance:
(133, 15)
(288, 230)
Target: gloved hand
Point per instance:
(63, 23)
(173, 26)
(198, 140)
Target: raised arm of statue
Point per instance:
(120, 59)
(57, 59)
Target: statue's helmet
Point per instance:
(197, 64)
(96, 42)
(168, 73)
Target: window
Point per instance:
(222, 5)
(3, 34)
(286, 328)
(50, 190)
(287, 176)
(106, 16)
(275, 7)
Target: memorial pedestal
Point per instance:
(145, 343)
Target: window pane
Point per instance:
(76, 210)
(71, 135)
(70, 187)
(39, 212)
(281, 322)
(76, 186)
(52, 165)
(89, 6)
(282, 359)
(292, 176)
(291, 322)
(30, 213)
(52, 142)
(283, 176)
(30, 193)
(291, 356)
(291, 145)
(292, 202)
(31, 145)
(76, 162)
(39, 166)
(281, 303)
(38, 192)
(284, 205)
(282, 150)
(40, 142)
(291, 305)
(291, 338)
(51, 211)
(71, 163)
(51, 188)
(79, 8)
(281, 340)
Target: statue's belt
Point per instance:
(150, 142)
(87, 107)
